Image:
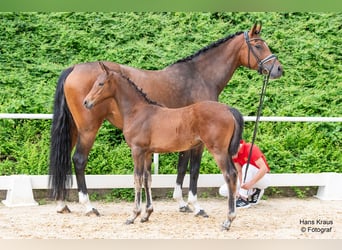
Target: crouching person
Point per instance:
(257, 179)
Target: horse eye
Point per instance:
(258, 46)
(101, 84)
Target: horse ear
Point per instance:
(104, 67)
(256, 29)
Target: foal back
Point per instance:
(161, 130)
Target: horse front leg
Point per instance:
(231, 180)
(80, 160)
(183, 160)
(147, 186)
(195, 163)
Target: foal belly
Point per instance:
(172, 138)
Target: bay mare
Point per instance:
(201, 76)
(149, 127)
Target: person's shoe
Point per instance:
(241, 203)
(256, 196)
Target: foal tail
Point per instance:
(61, 143)
(237, 136)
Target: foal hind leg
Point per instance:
(225, 162)
(231, 180)
(183, 160)
(80, 159)
(195, 163)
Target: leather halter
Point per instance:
(261, 68)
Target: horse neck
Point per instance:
(214, 67)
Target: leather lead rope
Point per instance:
(261, 100)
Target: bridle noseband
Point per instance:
(261, 68)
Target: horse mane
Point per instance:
(140, 91)
(210, 46)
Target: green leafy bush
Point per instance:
(36, 47)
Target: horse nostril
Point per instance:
(85, 102)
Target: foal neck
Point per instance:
(128, 95)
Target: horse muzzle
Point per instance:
(271, 66)
(88, 104)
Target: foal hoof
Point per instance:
(64, 210)
(202, 213)
(129, 222)
(93, 212)
(185, 209)
(226, 225)
(144, 220)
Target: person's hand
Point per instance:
(247, 185)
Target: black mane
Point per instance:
(140, 91)
(210, 46)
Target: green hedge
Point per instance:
(36, 47)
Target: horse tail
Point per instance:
(61, 142)
(237, 135)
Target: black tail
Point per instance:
(61, 139)
(237, 136)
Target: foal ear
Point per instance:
(104, 67)
(256, 29)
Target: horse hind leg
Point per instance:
(195, 163)
(80, 160)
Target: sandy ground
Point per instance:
(275, 218)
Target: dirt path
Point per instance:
(276, 218)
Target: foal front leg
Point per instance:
(137, 198)
(147, 187)
(138, 158)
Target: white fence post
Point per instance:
(19, 192)
(333, 188)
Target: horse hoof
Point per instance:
(185, 209)
(64, 210)
(93, 212)
(202, 213)
(226, 225)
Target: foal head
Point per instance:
(256, 54)
(102, 89)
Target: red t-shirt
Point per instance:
(242, 156)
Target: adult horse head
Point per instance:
(255, 54)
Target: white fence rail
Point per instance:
(19, 187)
(246, 118)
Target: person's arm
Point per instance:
(262, 171)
